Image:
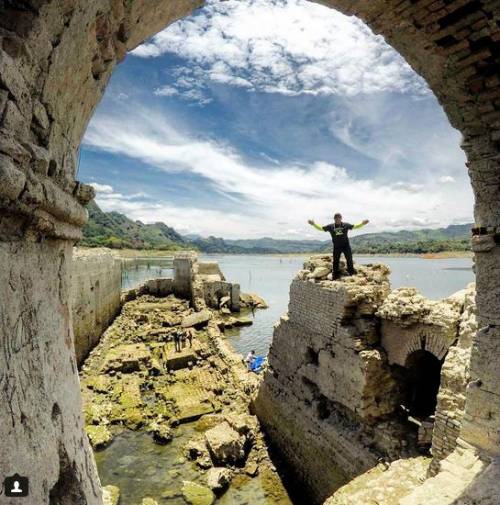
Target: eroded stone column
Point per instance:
(482, 418)
(56, 58)
(41, 424)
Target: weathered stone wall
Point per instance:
(55, 60)
(410, 322)
(454, 379)
(331, 398)
(184, 274)
(204, 283)
(41, 424)
(96, 283)
(328, 392)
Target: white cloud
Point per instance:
(280, 46)
(446, 178)
(101, 188)
(271, 200)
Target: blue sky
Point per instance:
(247, 118)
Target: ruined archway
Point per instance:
(55, 60)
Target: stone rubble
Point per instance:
(218, 478)
(134, 379)
(110, 495)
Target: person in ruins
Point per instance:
(177, 340)
(190, 333)
(338, 230)
(249, 360)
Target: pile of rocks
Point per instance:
(134, 379)
(318, 269)
(232, 444)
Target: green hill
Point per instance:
(113, 229)
(272, 245)
(451, 238)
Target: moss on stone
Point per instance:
(195, 494)
(99, 436)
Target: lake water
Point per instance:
(270, 277)
(138, 270)
(141, 468)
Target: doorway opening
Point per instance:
(423, 380)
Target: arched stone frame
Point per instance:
(56, 57)
(399, 351)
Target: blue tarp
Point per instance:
(257, 363)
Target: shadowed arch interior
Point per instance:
(423, 380)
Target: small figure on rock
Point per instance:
(177, 340)
(338, 230)
(249, 360)
(190, 333)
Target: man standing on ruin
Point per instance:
(338, 230)
(190, 333)
(177, 340)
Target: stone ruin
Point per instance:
(56, 58)
(202, 283)
(359, 374)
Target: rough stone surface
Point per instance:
(149, 501)
(110, 495)
(195, 494)
(225, 444)
(384, 484)
(96, 279)
(331, 396)
(55, 61)
(411, 322)
(197, 319)
(218, 478)
(41, 422)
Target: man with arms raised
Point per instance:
(338, 230)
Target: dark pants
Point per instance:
(337, 252)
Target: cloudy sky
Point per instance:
(249, 117)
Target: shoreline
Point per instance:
(141, 253)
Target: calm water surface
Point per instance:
(141, 468)
(138, 270)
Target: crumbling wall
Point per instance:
(411, 322)
(96, 281)
(328, 391)
(204, 284)
(331, 397)
(455, 376)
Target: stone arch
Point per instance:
(399, 351)
(56, 57)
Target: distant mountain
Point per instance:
(115, 230)
(452, 238)
(272, 245)
(219, 245)
(112, 229)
